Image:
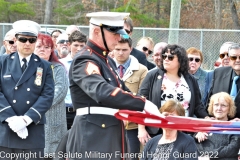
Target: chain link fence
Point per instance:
(207, 40)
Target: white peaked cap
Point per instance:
(108, 18)
(26, 27)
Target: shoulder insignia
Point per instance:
(92, 68)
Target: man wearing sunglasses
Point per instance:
(62, 45)
(224, 61)
(9, 42)
(26, 93)
(226, 79)
(97, 92)
(145, 45)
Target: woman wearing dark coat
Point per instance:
(172, 81)
(172, 144)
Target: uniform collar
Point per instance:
(97, 49)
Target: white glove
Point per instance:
(23, 133)
(151, 108)
(16, 123)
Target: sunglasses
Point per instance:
(222, 55)
(234, 58)
(146, 49)
(196, 59)
(10, 41)
(170, 57)
(111, 28)
(63, 41)
(128, 32)
(24, 39)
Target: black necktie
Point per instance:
(24, 66)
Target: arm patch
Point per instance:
(92, 68)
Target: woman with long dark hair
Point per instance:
(172, 81)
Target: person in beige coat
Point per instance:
(132, 73)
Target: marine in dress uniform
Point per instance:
(26, 93)
(98, 93)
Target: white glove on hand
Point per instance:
(16, 123)
(23, 133)
(151, 108)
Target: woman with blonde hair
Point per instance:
(172, 144)
(221, 146)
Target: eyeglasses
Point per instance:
(146, 49)
(222, 55)
(10, 41)
(170, 57)
(128, 32)
(196, 59)
(234, 58)
(63, 41)
(24, 39)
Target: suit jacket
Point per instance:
(20, 95)
(141, 57)
(208, 83)
(221, 83)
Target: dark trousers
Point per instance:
(134, 143)
(70, 114)
(21, 154)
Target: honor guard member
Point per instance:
(98, 93)
(26, 93)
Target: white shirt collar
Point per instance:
(27, 58)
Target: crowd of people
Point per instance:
(59, 94)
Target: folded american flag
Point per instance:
(189, 124)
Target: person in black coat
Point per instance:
(172, 144)
(172, 81)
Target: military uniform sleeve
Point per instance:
(45, 99)
(88, 76)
